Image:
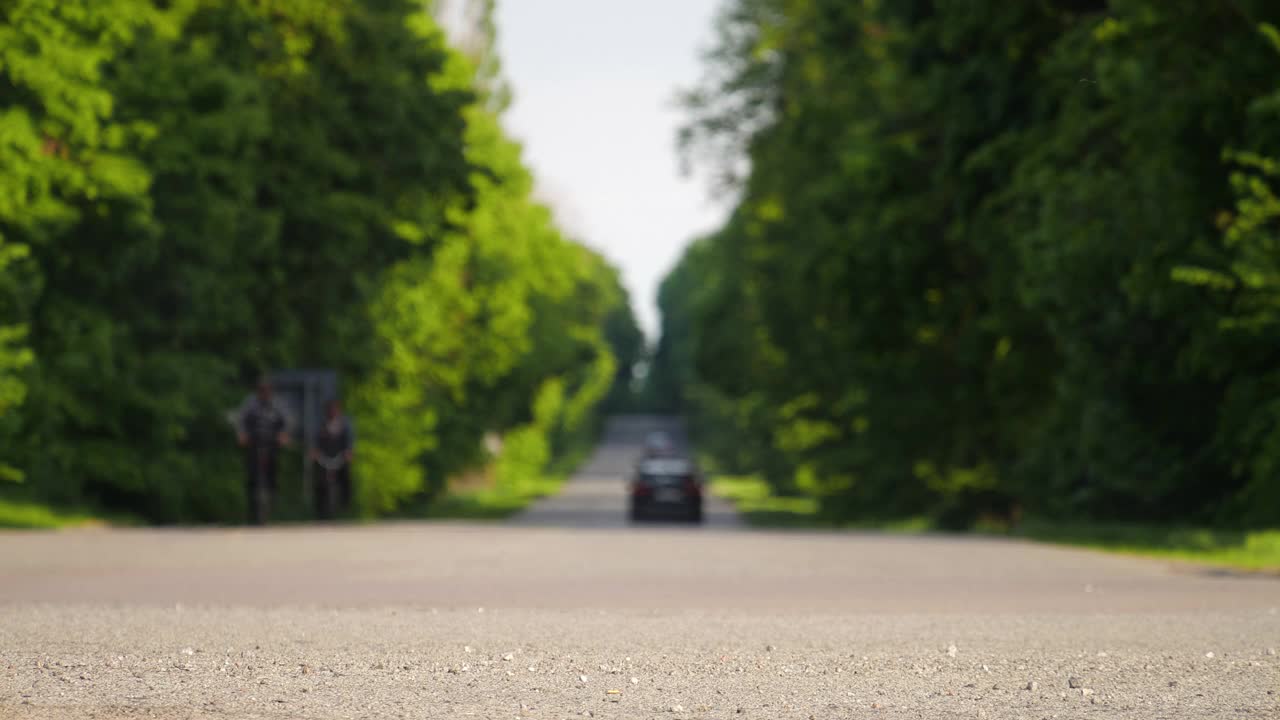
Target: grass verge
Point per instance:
(1257, 550)
(756, 503)
(500, 503)
(490, 503)
(20, 513)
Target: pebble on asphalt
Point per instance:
(952, 650)
(1075, 683)
(1033, 686)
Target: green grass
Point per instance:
(500, 503)
(1254, 550)
(490, 504)
(27, 514)
(758, 505)
(1257, 550)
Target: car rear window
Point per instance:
(666, 467)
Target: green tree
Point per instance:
(948, 284)
(253, 171)
(61, 153)
(500, 330)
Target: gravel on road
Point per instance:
(124, 662)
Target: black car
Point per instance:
(666, 488)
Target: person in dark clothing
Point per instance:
(263, 426)
(333, 451)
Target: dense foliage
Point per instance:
(194, 191)
(990, 258)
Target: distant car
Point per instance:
(658, 444)
(666, 488)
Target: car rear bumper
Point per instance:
(690, 508)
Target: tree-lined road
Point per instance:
(596, 496)
(567, 610)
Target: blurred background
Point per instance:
(1005, 267)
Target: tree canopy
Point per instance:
(989, 258)
(194, 192)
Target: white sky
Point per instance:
(594, 84)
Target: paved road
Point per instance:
(568, 611)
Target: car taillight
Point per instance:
(639, 488)
(691, 486)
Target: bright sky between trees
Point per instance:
(595, 83)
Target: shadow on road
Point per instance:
(596, 495)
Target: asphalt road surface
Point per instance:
(568, 612)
